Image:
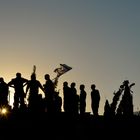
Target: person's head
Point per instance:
(126, 82)
(82, 87)
(47, 76)
(18, 75)
(73, 84)
(65, 83)
(93, 86)
(1, 79)
(33, 76)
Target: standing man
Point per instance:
(4, 90)
(74, 98)
(18, 83)
(66, 97)
(49, 93)
(33, 87)
(83, 95)
(95, 100)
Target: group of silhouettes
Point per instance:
(122, 102)
(35, 100)
(72, 102)
(52, 102)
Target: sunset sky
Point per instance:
(99, 39)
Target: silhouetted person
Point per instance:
(116, 97)
(126, 104)
(66, 97)
(41, 104)
(74, 98)
(49, 93)
(18, 83)
(57, 102)
(82, 99)
(95, 100)
(33, 86)
(107, 110)
(4, 90)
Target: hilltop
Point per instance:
(65, 126)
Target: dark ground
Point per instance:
(65, 126)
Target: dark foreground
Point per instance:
(65, 126)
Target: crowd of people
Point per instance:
(52, 102)
(71, 103)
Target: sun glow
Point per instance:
(3, 111)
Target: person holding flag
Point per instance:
(60, 71)
(63, 69)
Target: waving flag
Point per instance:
(63, 69)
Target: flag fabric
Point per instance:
(62, 69)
